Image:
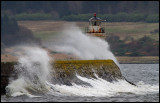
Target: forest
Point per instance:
(13, 34)
(119, 11)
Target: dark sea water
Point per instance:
(146, 75)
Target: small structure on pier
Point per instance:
(95, 28)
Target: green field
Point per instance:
(45, 35)
(45, 29)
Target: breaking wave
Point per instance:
(34, 78)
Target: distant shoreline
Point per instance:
(138, 60)
(9, 56)
(139, 63)
(120, 59)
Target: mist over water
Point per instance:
(34, 70)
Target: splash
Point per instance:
(33, 70)
(101, 88)
(74, 41)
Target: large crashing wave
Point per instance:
(34, 70)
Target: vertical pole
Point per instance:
(105, 26)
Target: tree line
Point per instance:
(144, 46)
(120, 17)
(82, 10)
(13, 34)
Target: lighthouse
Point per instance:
(95, 28)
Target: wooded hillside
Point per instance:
(13, 34)
(115, 11)
(62, 8)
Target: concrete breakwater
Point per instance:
(64, 72)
